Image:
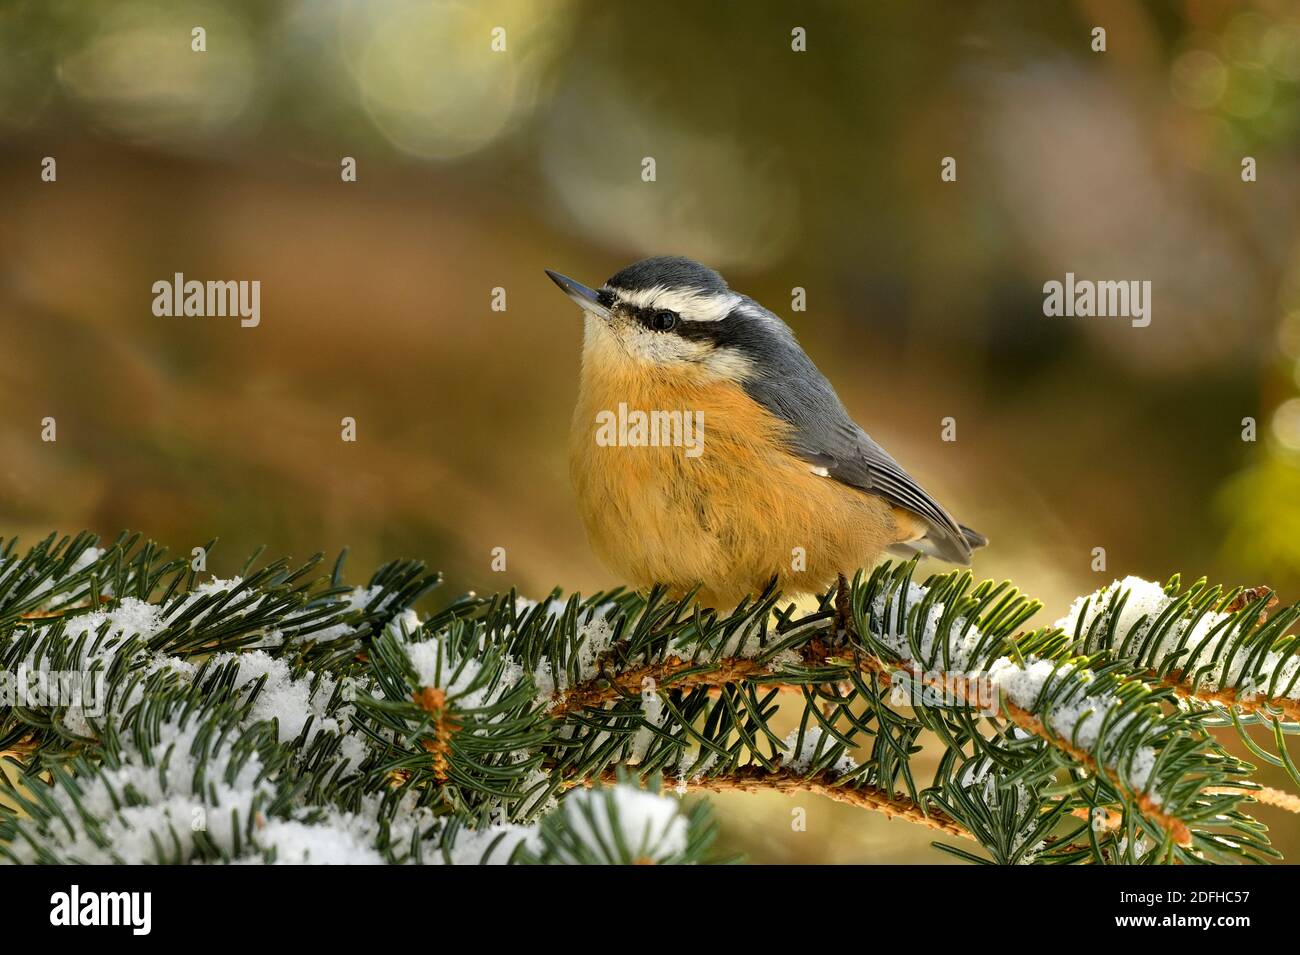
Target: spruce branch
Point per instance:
(964, 691)
(466, 734)
(1220, 652)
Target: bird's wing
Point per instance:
(858, 461)
(791, 387)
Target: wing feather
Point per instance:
(869, 467)
(790, 386)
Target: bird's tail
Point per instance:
(941, 545)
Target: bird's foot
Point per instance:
(843, 612)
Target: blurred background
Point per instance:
(820, 170)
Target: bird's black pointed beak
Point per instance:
(588, 299)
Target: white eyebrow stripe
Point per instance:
(693, 305)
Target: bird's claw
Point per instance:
(843, 612)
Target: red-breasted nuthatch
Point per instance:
(707, 449)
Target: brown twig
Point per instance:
(609, 687)
(434, 702)
(750, 779)
(1253, 703)
(1265, 795)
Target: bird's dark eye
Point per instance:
(663, 320)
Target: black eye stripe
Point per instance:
(729, 332)
(722, 332)
(736, 330)
(697, 331)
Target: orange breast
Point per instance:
(741, 511)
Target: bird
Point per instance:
(781, 482)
